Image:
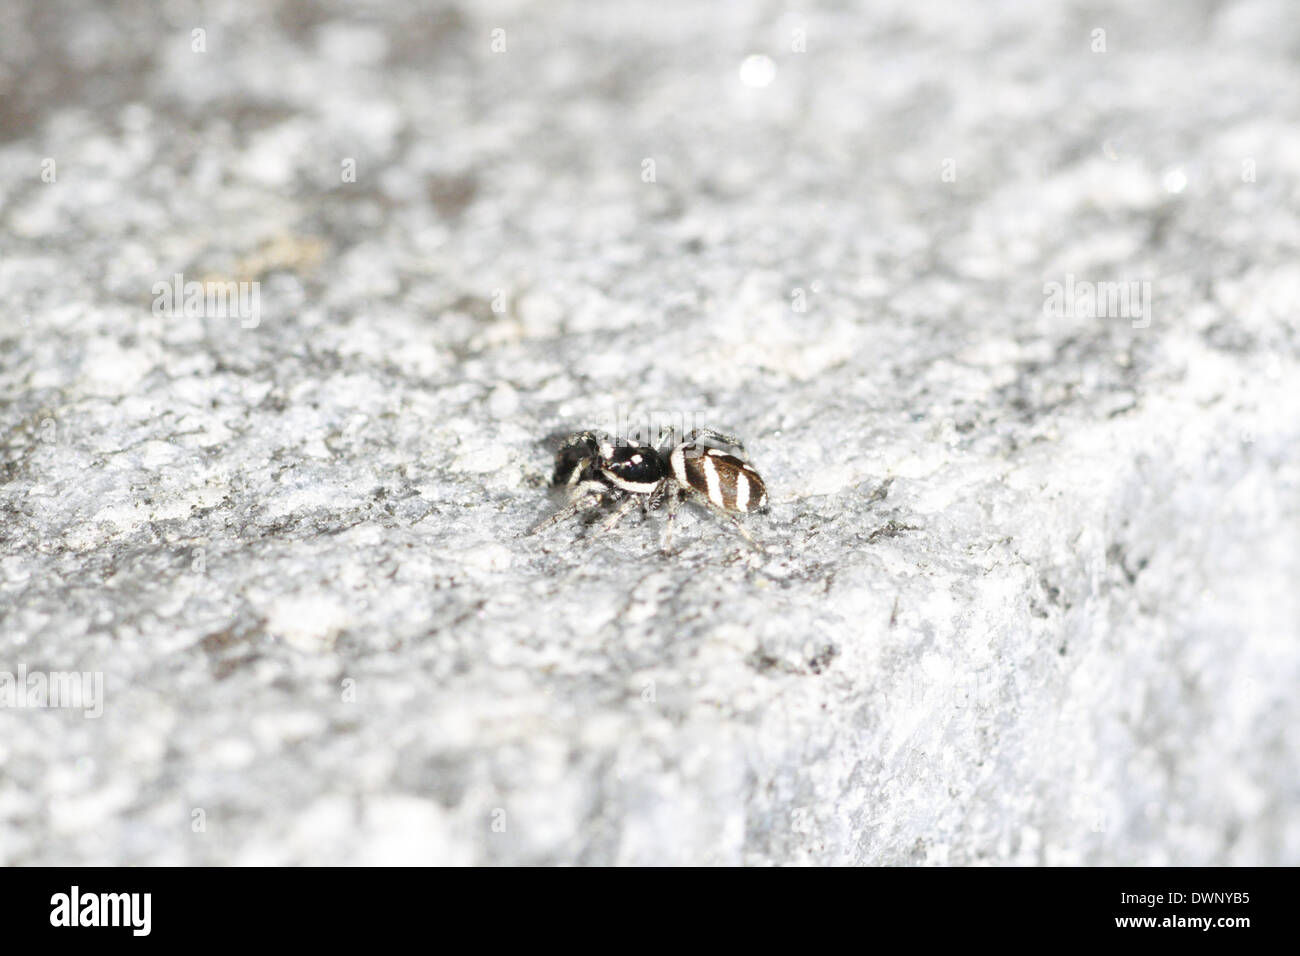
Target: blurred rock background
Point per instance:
(1028, 590)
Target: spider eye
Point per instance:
(573, 460)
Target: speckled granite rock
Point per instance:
(1027, 593)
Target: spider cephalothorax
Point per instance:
(596, 469)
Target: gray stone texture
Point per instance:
(1028, 590)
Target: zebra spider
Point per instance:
(595, 469)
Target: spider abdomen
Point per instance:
(727, 481)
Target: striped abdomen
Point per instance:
(727, 481)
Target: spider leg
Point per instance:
(709, 433)
(674, 494)
(667, 441)
(656, 498)
(617, 515)
(582, 503)
(674, 501)
(734, 521)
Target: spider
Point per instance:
(595, 469)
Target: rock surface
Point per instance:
(1027, 593)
